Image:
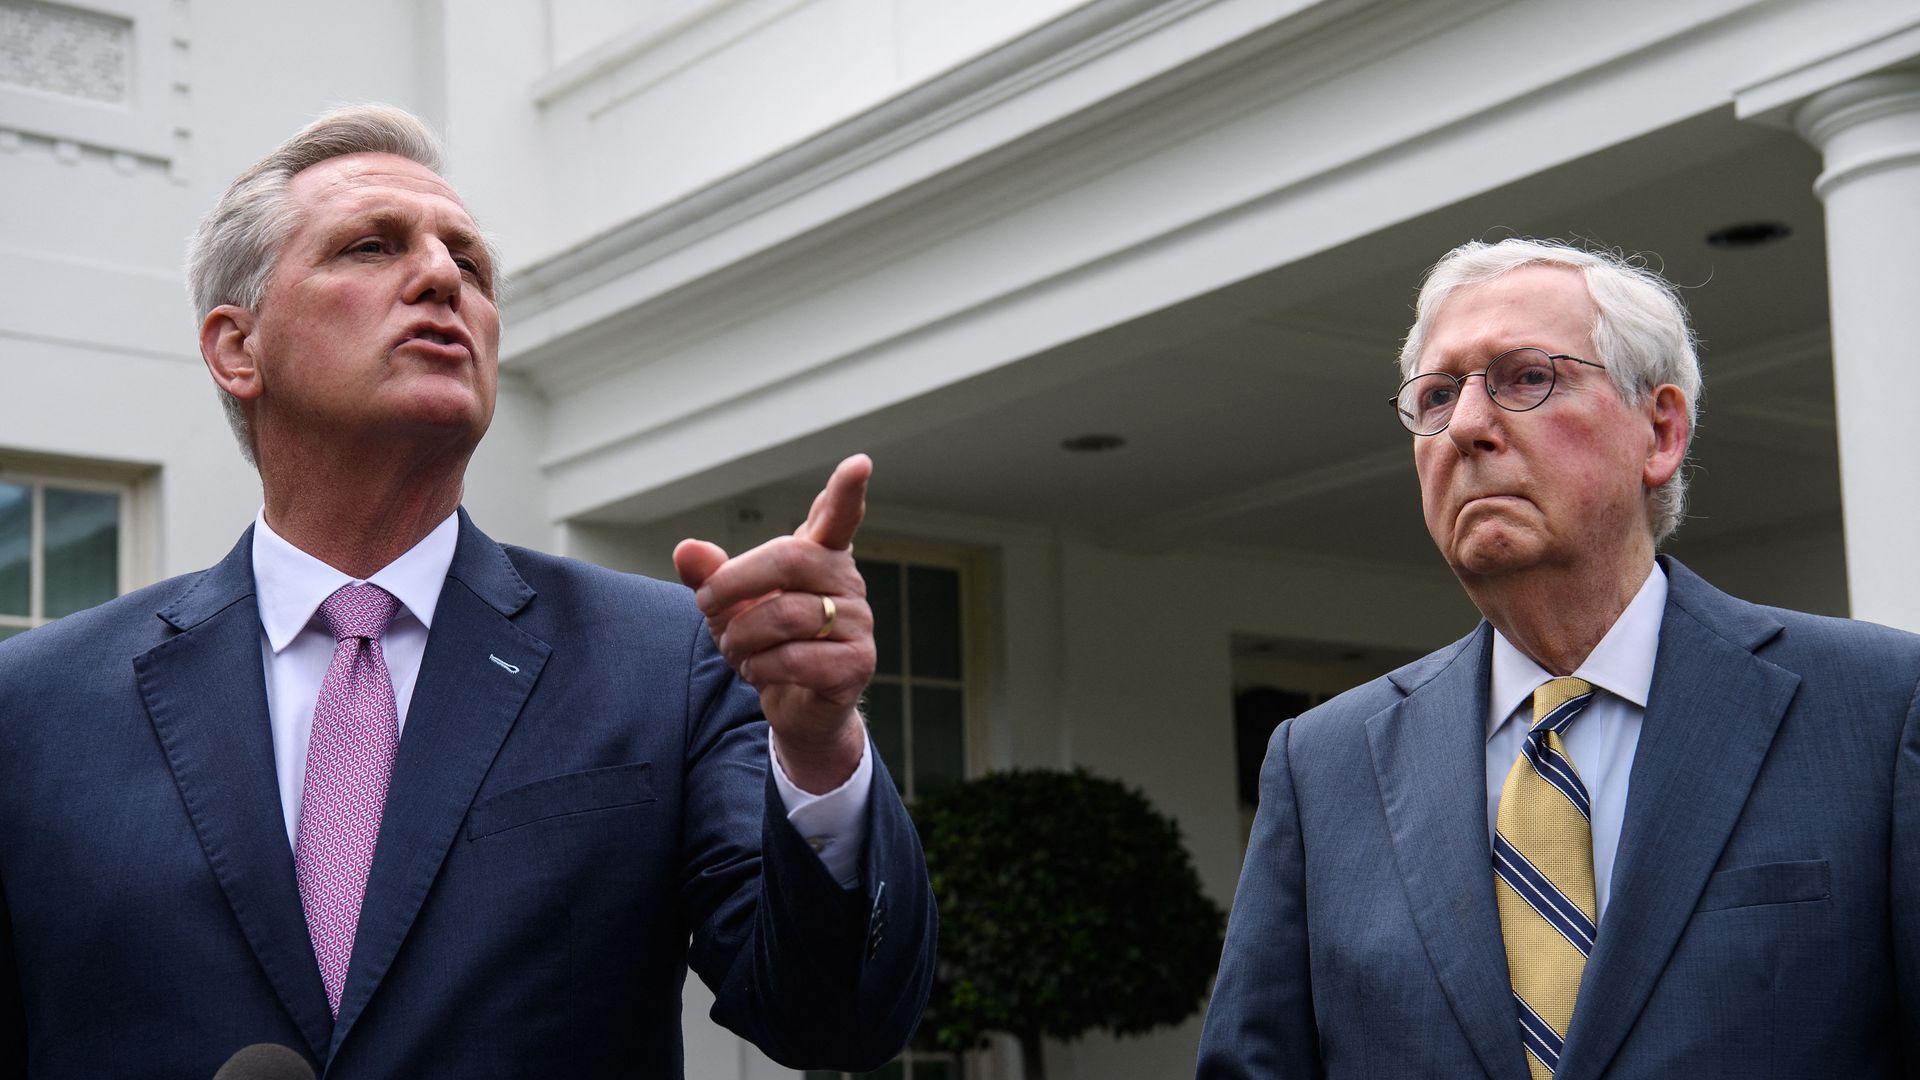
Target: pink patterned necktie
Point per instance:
(356, 733)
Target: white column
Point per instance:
(1868, 132)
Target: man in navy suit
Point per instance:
(1697, 857)
(471, 833)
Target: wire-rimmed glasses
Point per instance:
(1516, 380)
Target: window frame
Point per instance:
(132, 545)
(973, 683)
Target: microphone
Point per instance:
(265, 1061)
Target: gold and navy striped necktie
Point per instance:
(1543, 875)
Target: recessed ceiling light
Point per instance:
(1092, 443)
(1749, 234)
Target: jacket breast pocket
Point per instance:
(574, 793)
(1768, 883)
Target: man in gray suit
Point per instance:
(1630, 826)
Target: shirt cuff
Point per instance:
(834, 825)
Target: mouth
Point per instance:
(1491, 502)
(444, 339)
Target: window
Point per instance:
(1275, 679)
(917, 704)
(917, 709)
(63, 547)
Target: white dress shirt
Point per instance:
(296, 648)
(1601, 741)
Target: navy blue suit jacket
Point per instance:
(1765, 915)
(581, 786)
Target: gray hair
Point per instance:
(1639, 329)
(232, 254)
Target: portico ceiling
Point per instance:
(1255, 416)
(1214, 263)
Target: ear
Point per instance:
(228, 346)
(1667, 411)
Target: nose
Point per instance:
(436, 276)
(1476, 423)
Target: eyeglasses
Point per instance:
(1516, 380)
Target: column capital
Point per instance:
(1863, 125)
(1858, 100)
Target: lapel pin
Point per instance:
(511, 670)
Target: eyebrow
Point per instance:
(388, 220)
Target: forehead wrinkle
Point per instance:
(1529, 320)
(351, 183)
(387, 217)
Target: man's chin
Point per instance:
(452, 410)
(1492, 552)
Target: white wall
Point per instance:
(98, 344)
(503, 479)
(645, 104)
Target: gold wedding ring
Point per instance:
(828, 616)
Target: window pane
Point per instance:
(16, 533)
(883, 596)
(8, 631)
(936, 737)
(933, 605)
(83, 550)
(884, 725)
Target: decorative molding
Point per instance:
(108, 84)
(1774, 100)
(908, 118)
(1055, 96)
(1850, 108)
(66, 51)
(69, 152)
(667, 38)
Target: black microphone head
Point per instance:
(265, 1061)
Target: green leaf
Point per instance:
(1067, 903)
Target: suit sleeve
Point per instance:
(13, 1021)
(815, 975)
(1260, 1024)
(1905, 877)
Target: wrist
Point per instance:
(819, 765)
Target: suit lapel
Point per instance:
(1429, 757)
(1711, 716)
(206, 697)
(474, 678)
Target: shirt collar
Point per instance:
(290, 584)
(1622, 664)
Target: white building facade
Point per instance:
(747, 237)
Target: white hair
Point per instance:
(1640, 329)
(232, 254)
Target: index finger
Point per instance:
(840, 506)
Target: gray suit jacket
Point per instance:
(1765, 919)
